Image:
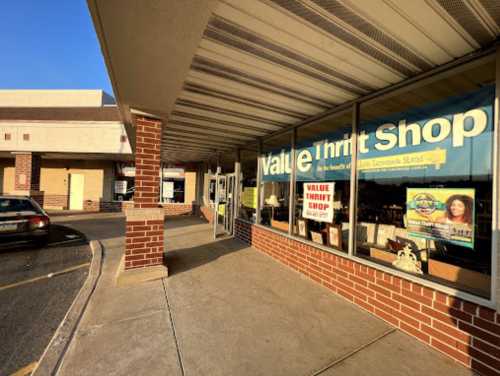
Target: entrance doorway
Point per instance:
(76, 185)
(224, 204)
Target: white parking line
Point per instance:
(50, 275)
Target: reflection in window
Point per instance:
(275, 186)
(248, 185)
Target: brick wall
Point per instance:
(147, 162)
(144, 223)
(55, 201)
(27, 172)
(177, 209)
(464, 331)
(143, 243)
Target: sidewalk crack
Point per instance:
(177, 347)
(353, 352)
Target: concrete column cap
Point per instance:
(144, 214)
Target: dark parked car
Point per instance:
(21, 218)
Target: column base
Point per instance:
(144, 238)
(139, 275)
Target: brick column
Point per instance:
(144, 222)
(27, 175)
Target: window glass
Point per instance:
(322, 187)
(425, 180)
(275, 185)
(248, 185)
(173, 190)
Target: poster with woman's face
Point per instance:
(445, 214)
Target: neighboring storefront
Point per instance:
(69, 149)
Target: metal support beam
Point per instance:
(354, 180)
(237, 186)
(293, 178)
(259, 179)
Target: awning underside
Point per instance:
(261, 66)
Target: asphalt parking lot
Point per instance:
(37, 286)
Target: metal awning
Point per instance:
(224, 73)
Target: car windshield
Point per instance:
(15, 205)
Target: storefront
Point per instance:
(390, 202)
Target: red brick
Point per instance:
(483, 369)
(481, 334)
(452, 331)
(414, 332)
(389, 286)
(470, 307)
(363, 304)
(487, 348)
(388, 301)
(417, 297)
(441, 298)
(364, 290)
(452, 312)
(454, 353)
(407, 319)
(487, 325)
(379, 289)
(135, 257)
(387, 317)
(483, 358)
(408, 302)
(417, 315)
(406, 285)
(439, 316)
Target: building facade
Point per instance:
(69, 149)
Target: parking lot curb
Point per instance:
(53, 355)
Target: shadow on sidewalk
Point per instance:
(184, 259)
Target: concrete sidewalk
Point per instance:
(227, 309)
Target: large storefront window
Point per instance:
(275, 184)
(424, 203)
(248, 185)
(323, 156)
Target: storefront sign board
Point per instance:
(445, 214)
(318, 201)
(452, 137)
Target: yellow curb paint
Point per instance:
(25, 370)
(50, 275)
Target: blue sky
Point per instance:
(50, 44)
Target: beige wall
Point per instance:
(54, 178)
(53, 98)
(189, 187)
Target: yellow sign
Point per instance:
(436, 157)
(445, 214)
(249, 197)
(222, 209)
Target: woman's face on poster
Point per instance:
(457, 208)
